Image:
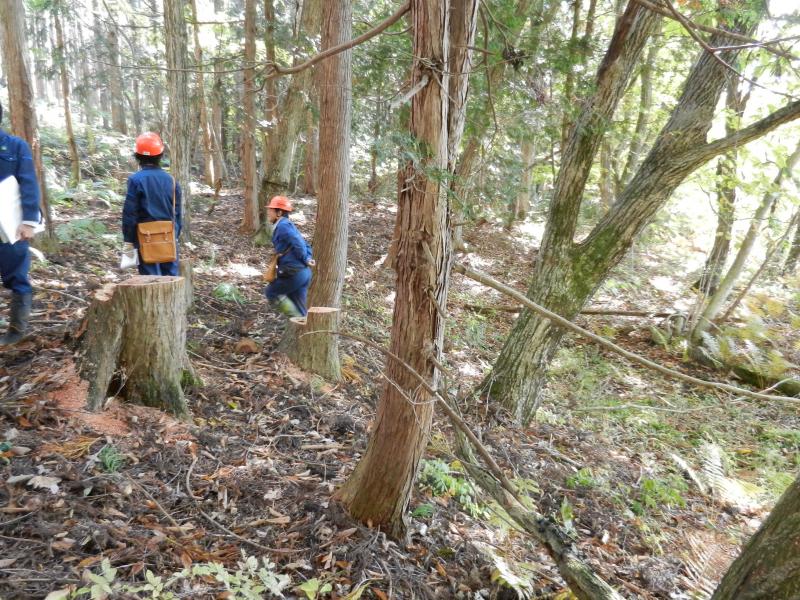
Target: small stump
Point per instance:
(317, 353)
(135, 332)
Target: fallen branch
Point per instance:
(481, 309)
(567, 324)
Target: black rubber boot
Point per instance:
(18, 322)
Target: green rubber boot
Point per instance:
(283, 304)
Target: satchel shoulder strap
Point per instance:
(174, 192)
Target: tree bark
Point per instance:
(217, 120)
(378, 491)
(179, 119)
(20, 93)
(790, 265)
(252, 215)
(319, 353)
(136, 330)
(639, 137)
(118, 121)
(522, 200)
(75, 164)
(769, 564)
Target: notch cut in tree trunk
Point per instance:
(315, 353)
(136, 331)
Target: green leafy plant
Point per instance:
(438, 477)
(657, 493)
(583, 478)
(314, 588)
(423, 511)
(252, 580)
(110, 458)
(84, 230)
(228, 293)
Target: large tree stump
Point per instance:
(135, 332)
(317, 353)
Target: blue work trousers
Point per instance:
(15, 260)
(295, 287)
(167, 268)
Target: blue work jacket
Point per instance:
(149, 198)
(289, 242)
(16, 159)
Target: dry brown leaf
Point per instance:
(63, 544)
(246, 346)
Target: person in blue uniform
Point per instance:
(150, 198)
(16, 160)
(288, 292)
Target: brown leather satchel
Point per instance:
(157, 238)
(271, 272)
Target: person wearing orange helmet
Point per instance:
(152, 194)
(288, 292)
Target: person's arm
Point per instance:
(298, 246)
(129, 212)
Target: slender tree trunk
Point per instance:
(790, 265)
(638, 139)
(211, 174)
(719, 298)
(118, 121)
(769, 564)
(252, 215)
(319, 353)
(20, 92)
(179, 117)
(606, 175)
(379, 489)
(75, 164)
(218, 109)
(569, 80)
(270, 85)
(522, 200)
(735, 102)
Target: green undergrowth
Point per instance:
(638, 411)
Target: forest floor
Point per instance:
(659, 482)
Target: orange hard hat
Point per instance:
(149, 144)
(281, 203)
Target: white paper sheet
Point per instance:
(10, 209)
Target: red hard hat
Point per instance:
(281, 203)
(149, 144)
